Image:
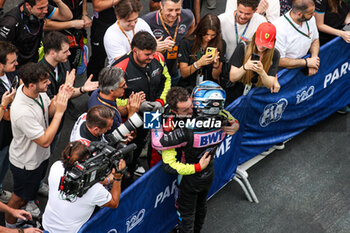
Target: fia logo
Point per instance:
(273, 112)
(151, 120)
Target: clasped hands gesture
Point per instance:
(313, 64)
(163, 45)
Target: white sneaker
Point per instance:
(32, 208)
(139, 171)
(5, 196)
(44, 189)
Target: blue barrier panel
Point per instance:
(302, 102)
(226, 157)
(146, 206)
(266, 119)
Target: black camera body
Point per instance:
(77, 181)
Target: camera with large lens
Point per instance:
(77, 181)
(134, 122)
(104, 157)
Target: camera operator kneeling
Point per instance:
(64, 216)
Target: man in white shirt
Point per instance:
(296, 35)
(268, 8)
(61, 215)
(118, 37)
(8, 62)
(240, 25)
(32, 133)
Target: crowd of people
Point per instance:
(139, 64)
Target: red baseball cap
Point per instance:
(265, 35)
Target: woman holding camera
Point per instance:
(201, 53)
(256, 64)
(62, 215)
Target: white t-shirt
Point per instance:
(227, 21)
(272, 12)
(28, 122)
(115, 42)
(64, 216)
(289, 42)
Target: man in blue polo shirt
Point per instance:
(173, 22)
(112, 86)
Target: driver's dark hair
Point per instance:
(175, 95)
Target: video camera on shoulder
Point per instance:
(104, 157)
(77, 181)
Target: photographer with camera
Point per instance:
(189, 152)
(63, 216)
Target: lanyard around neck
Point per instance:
(121, 29)
(108, 105)
(166, 29)
(302, 33)
(236, 30)
(41, 104)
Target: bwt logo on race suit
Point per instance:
(273, 112)
(305, 94)
(135, 219)
(212, 138)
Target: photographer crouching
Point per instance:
(68, 216)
